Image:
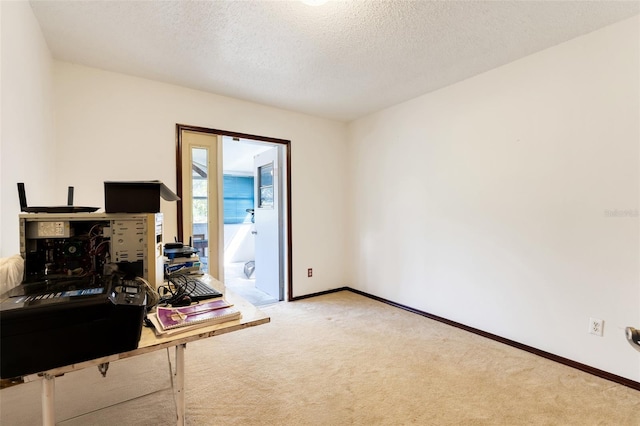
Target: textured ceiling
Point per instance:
(341, 60)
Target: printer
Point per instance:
(49, 323)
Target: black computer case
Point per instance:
(50, 324)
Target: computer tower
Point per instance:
(79, 244)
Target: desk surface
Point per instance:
(149, 342)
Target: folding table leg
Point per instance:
(48, 400)
(170, 369)
(179, 383)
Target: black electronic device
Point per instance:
(202, 291)
(52, 323)
(136, 196)
(172, 246)
(69, 208)
(183, 289)
(177, 252)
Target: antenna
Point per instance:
(23, 197)
(70, 196)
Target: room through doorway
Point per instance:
(246, 194)
(252, 227)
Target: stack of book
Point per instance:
(181, 259)
(182, 265)
(177, 320)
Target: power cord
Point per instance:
(152, 295)
(177, 291)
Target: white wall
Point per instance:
(493, 202)
(27, 143)
(115, 127)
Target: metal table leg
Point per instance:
(48, 400)
(179, 383)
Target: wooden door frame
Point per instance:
(287, 143)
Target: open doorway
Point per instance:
(253, 238)
(251, 211)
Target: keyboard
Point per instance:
(202, 291)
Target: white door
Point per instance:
(267, 223)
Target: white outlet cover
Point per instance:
(596, 326)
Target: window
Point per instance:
(265, 182)
(238, 198)
(200, 187)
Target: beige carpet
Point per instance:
(338, 359)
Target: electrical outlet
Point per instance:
(310, 272)
(596, 326)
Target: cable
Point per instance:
(179, 286)
(152, 295)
